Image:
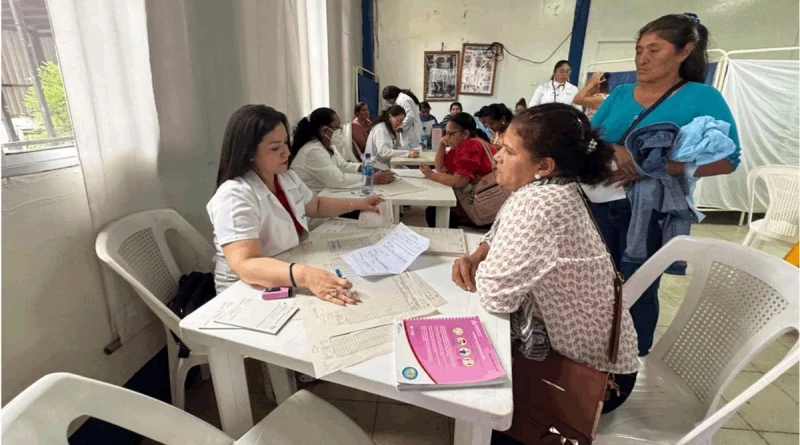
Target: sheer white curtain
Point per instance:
(151, 85)
(105, 61)
(763, 96)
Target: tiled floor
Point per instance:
(771, 418)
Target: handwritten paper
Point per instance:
(392, 255)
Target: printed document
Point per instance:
(384, 217)
(398, 187)
(331, 354)
(444, 241)
(392, 255)
(408, 173)
(258, 315)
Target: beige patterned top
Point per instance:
(547, 260)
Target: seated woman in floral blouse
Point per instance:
(543, 260)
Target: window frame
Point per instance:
(26, 163)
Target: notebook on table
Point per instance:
(445, 352)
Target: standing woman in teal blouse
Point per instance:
(669, 50)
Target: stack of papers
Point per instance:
(254, 314)
(451, 242)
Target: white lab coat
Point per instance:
(411, 137)
(244, 208)
(381, 147)
(319, 169)
(551, 91)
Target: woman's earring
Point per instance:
(537, 176)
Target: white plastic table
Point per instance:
(476, 410)
(425, 157)
(432, 194)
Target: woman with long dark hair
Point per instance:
(383, 138)
(465, 163)
(411, 130)
(316, 154)
(671, 62)
(261, 208)
(498, 118)
(557, 89)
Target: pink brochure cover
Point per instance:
(453, 351)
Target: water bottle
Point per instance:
(367, 171)
(426, 141)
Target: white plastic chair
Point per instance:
(136, 248)
(347, 150)
(739, 301)
(42, 414)
(783, 212)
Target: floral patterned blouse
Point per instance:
(547, 261)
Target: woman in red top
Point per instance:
(465, 163)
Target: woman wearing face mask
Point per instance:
(557, 89)
(544, 261)
(466, 162)
(317, 162)
(498, 117)
(261, 208)
(411, 130)
(671, 61)
(382, 138)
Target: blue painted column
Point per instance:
(367, 31)
(579, 24)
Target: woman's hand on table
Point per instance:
(413, 154)
(326, 285)
(368, 204)
(626, 167)
(426, 170)
(464, 270)
(383, 177)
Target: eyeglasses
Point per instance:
(450, 133)
(564, 71)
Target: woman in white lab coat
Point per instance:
(411, 132)
(557, 89)
(382, 140)
(261, 209)
(316, 158)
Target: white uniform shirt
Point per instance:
(244, 208)
(552, 91)
(319, 169)
(411, 137)
(380, 146)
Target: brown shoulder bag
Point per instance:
(482, 200)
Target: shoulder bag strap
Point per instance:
(616, 326)
(486, 150)
(646, 112)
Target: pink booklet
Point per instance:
(445, 352)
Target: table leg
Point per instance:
(283, 382)
(396, 214)
(471, 434)
(443, 217)
(230, 388)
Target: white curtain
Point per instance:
(763, 96)
(105, 60)
(151, 85)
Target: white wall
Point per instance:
(738, 24)
(54, 312)
(530, 29)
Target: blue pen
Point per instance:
(339, 273)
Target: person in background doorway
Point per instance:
(669, 51)
(425, 113)
(557, 89)
(315, 155)
(382, 140)
(592, 95)
(520, 106)
(360, 128)
(498, 117)
(411, 130)
(465, 163)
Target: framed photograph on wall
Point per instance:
(477, 70)
(441, 76)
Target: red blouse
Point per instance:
(469, 159)
(285, 203)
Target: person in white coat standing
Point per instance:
(557, 89)
(316, 158)
(382, 140)
(411, 133)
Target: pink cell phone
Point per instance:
(274, 293)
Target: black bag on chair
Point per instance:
(194, 290)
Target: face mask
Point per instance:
(337, 138)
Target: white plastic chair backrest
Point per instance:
(783, 190)
(346, 150)
(739, 301)
(135, 247)
(42, 413)
(704, 432)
